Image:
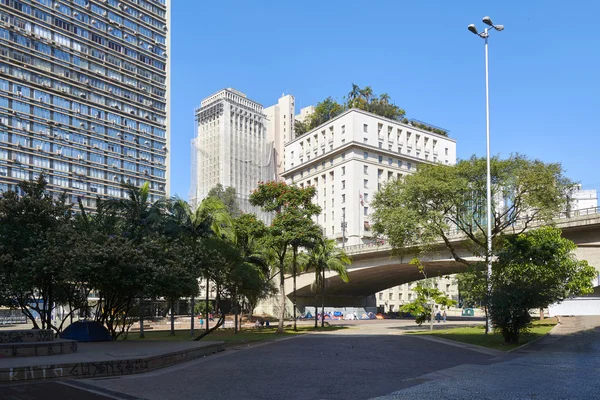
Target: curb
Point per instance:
(524, 346)
(467, 346)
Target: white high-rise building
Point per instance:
(305, 113)
(231, 148)
(349, 157)
(280, 127)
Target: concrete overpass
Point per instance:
(374, 268)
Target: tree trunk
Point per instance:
(172, 317)
(141, 321)
(316, 298)
(282, 298)
(294, 255)
(192, 316)
(207, 303)
(323, 301)
(235, 318)
(541, 314)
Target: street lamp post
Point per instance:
(484, 35)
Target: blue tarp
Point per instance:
(86, 331)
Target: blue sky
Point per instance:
(544, 68)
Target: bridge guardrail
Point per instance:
(382, 245)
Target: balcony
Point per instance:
(323, 144)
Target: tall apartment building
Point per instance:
(84, 95)
(280, 128)
(348, 158)
(231, 147)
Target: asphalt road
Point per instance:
(360, 363)
(308, 367)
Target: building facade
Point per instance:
(84, 95)
(582, 201)
(390, 300)
(230, 148)
(350, 157)
(280, 128)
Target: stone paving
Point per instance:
(370, 360)
(563, 365)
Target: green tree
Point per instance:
(325, 256)
(301, 127)
(428, 296)
(293, 210)
(366, 100)
(534, 269)
(210, 220)
(472, 285)
(249, 232)
(324, 111)
(38, 251)
(440, 200)
(228, 197)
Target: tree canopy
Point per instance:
(363, 99)
(439, 201)
(533, 270)
(292, 226)
(53, 254)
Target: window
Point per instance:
(366, 211)
(446, 151)
(343, 171)
(380, 296)
(408, 165)
(390, 161)
(399, 163)
(343, 198)
(343, 129)
(366, 197)
(391, 296)
(366, 184)
(343, 184)
(365, 170)
(380, 159)
(343, 156)
(365, 128)
(366, 155)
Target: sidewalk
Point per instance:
(562, 365)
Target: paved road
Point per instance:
(307, 367)
(563, 365)
(364, 362)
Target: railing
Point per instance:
(383, 245)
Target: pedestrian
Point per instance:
(201, 321)
(444, 315)
(438, 316)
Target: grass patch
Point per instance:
(476, 335)
(245, 336)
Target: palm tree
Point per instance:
(325, 256)
(136, 215)
(137, 212)
(210, 219)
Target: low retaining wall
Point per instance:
(90, 369)
(26, 336)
